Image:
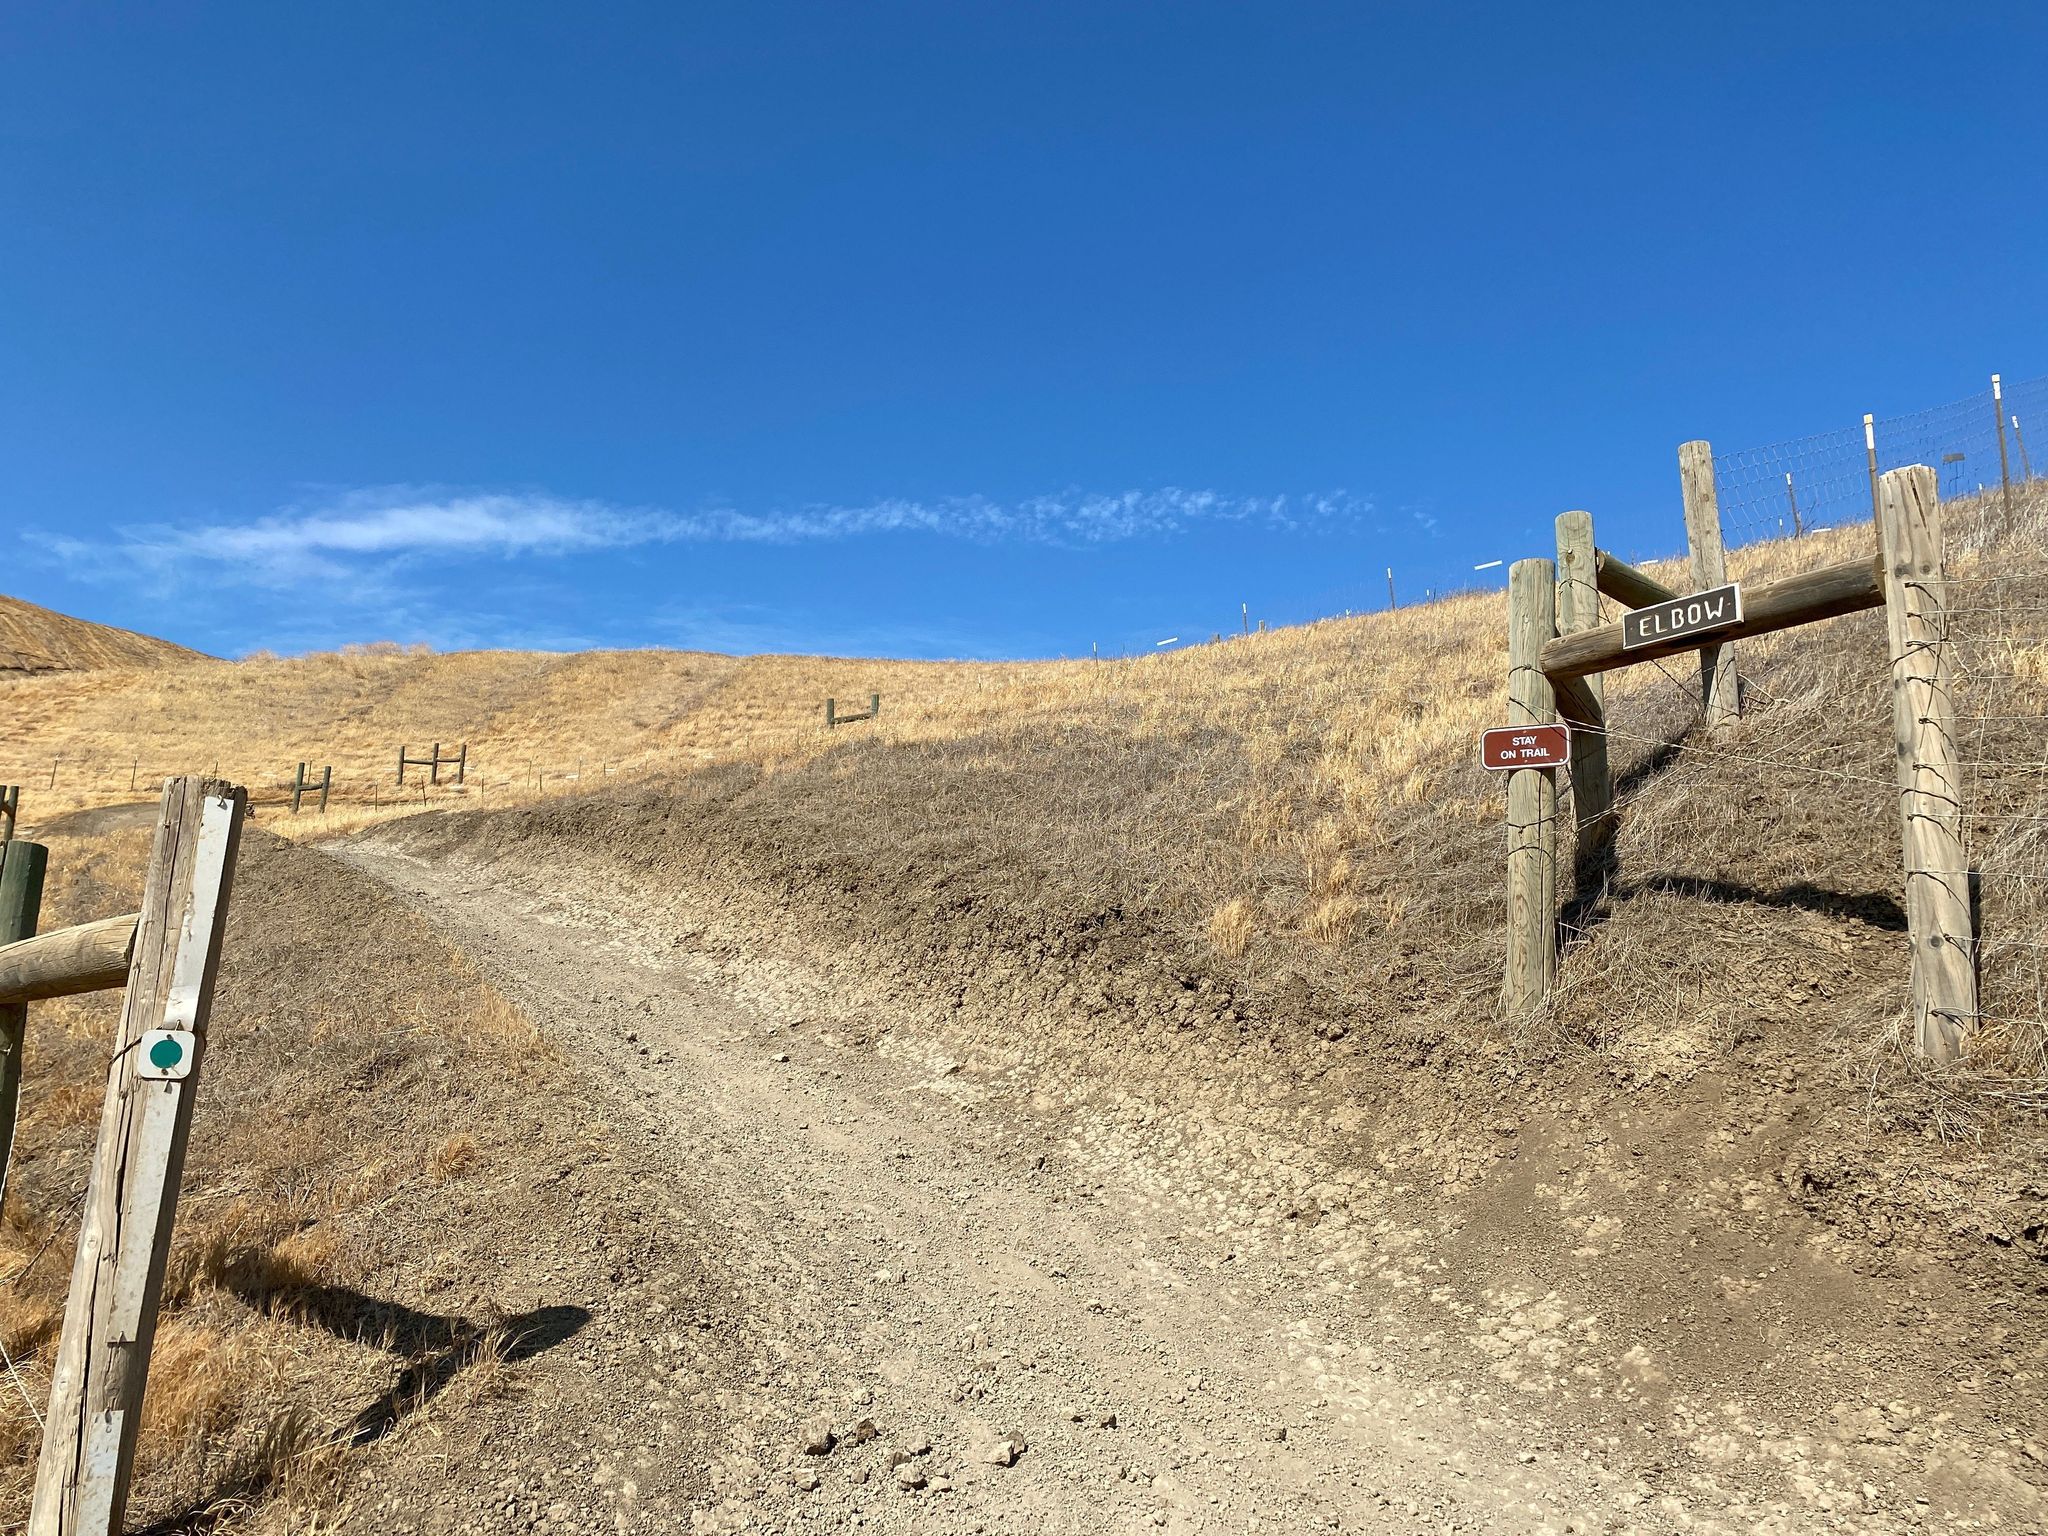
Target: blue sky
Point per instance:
(952, 329)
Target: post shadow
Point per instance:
(436, 1346)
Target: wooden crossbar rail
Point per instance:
(459, 761)
(833, 717)
(1846, 587)
(1625, 584)
(64, 961)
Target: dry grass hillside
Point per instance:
(1259, 881)
(36, 639)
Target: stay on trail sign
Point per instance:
(1680, 617)
(1524, 746)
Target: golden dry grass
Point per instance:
(245, 1402)
(34, 639)
(1343, 728)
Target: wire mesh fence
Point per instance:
(1785, 489)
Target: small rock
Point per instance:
(1105, 1421)
(909, 1475)
(918, 1447)
(807, 1482)
(861, 1432)
(816, 1437)
(1004, 1451)
(780, 1056)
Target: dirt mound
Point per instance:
(36, 639)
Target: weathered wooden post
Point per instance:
(1938, 918)
(1718, 686)
(326, 783)
(21, 904)
(1578, 608)
(298, 787)
(462, 763)
(102, 1360)
(10, 809)
(434, 767)
(874, 706)
(831, 715)
(401, 763)
(1532, 794)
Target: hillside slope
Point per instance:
(1204, 949)
(34, 639)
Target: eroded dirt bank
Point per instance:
(1041, 1189)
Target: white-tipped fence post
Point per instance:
(1719, 689)
(1938, 920)
(102, 1361)
(1532, 794)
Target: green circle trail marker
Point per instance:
(165, 1055)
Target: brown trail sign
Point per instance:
(1524, 746)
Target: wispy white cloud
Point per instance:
(356, 534)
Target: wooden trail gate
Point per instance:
(434, 763)
(167, 956)
(1557, 652)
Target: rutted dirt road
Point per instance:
(948, 1254)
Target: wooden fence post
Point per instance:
(1532, 794)
(1930, 782)
(401, 762)
(21, 905)
(1578, 607)
(874, 706)
(831, 715)
(434, 768)
(102, 1360)
(1718, 685)
(10, 809)
(298, 787)
(462, 763)
(326, 783)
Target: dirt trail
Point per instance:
(932, 1247)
